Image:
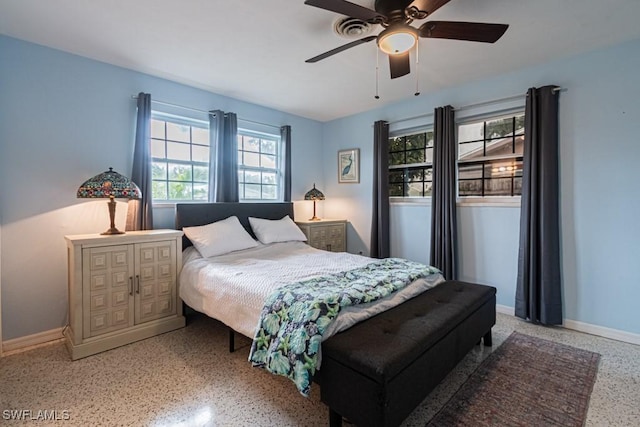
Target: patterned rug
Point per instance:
(527, 381)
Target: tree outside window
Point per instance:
(259, 173)
(410, 160)
(180, 159)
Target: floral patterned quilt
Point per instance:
(294, 318)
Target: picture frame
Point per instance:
(349, 166)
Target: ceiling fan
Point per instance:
(398, 36)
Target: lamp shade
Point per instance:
(314, 194)
(112, 185)
(109, 184)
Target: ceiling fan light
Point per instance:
(397, 42)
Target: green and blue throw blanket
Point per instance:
(295, 317)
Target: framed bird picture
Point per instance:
(349, 166)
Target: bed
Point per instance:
(243, 315)
(218, 286)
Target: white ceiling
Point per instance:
(254, 50)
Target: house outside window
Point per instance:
(490, 156)
(259, 166)
(180, 159)
(410, 164)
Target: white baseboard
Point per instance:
(587, 328)
(601, 331)
(22, 343)
(505, 310)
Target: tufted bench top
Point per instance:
(384, 345)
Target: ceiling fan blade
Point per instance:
(348, 9)
(471, 31)
(429, 6)
(340, 49)
(399, 65)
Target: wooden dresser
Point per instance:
(122, 288)
(326, 234)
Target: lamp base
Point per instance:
(111, 231)
(112, 216)
(314, 217)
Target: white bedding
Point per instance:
(232, 287)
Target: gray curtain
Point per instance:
(140, 212)
(444, 226)
(538, 289)
(223, 169)
(380, 246)
(285, 136)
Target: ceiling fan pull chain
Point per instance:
(377, 71)
(417, 69)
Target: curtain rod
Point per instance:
(206, 112)
(478, 104)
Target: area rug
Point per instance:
(527, 381)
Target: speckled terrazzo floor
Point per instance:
(188, 378)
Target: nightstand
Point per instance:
(122, 288)
(326, 234)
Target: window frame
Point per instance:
(204, 124)
(278, 170)
(493, 201)
(181, 121)
(406, 167)
(485, 200)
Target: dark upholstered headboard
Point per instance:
(193, 214)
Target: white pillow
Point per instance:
(220, 237)
(276, 230)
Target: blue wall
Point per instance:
(599, 152)
(63, 119)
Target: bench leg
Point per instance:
(231, 341)
(487, 339)
(335, 419)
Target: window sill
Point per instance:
(172, 204)
(166, 205)
(502, 202)
(411, 201)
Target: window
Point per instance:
(180, 158)
(259, 166)
(410, 160)
(490, 156)
(180, 161)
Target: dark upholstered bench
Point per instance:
(377, 372)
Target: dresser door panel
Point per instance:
(107, 277)
(156, 288)
(327, 237)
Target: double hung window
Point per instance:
(490, 156)
(180, 153)
(259, 166)
(180, 159)
(410, 164)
